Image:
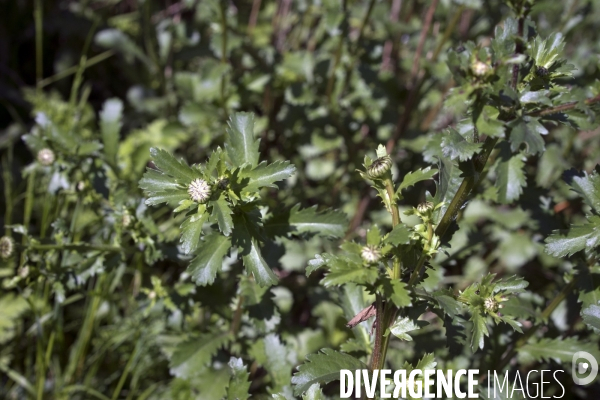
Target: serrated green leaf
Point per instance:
(265, 175)
(510, 175)
(170, 198)
(328, 223)
(447, 303)
(11, 307)
(489, 124)
(238, 382)
(343, 270)
(373, 236)
(588, 187)
(591, 316)
(403, 325)
(209, 260)
(528, 131)
(479, 330)
(110, 125)
(414, 177)
(512, 284)
(155, 182)
(511, 321)
(323, 368)
(565, 243)
(169, 165)
(244, 238)
(222, 214)
(448, 183)
(455, 146)
(427, 362)
(559, 349)
(241, 146)
(396, 291)
(279, 361)
(315, 264)
(192, 356)
(314, 393)
(588, 286)
(399, 235)
(191, 229)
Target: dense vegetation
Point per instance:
(222, 199)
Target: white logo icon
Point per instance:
(580, 367)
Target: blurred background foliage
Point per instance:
(328, 81)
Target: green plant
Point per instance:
(240, 199)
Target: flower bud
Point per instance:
(24, 271)
(480, 68)
(223, 183)
(7, 247)
(425, 207)
(370, 254)
(379, 167)
(45, 157)
(491, 305)
(541, 71)
(199, 191)
(126, 219)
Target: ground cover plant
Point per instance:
(221, 199)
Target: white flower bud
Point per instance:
(7, 247)
(490, 304)
(199, 190)
(424, 207)
(45, 157)
(370, 254)
(480, 68)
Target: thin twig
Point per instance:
(253, 16)
(426, 25)
(386, 59)
(563, 107)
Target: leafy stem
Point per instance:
(531, 331)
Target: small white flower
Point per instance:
(491, 305)
(45, 157)
(370, 254)
(7, 247)
(480, 68)
(199, 190)
(24, 271)
(126, 219)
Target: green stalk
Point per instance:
(77, 355)
(121, 382)
(7, 178)
(466, 187)
(386, 312)
(29, 195)
(72, 70)
(224, 57)
(77, 247)
(39, 52)
(545, 315)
